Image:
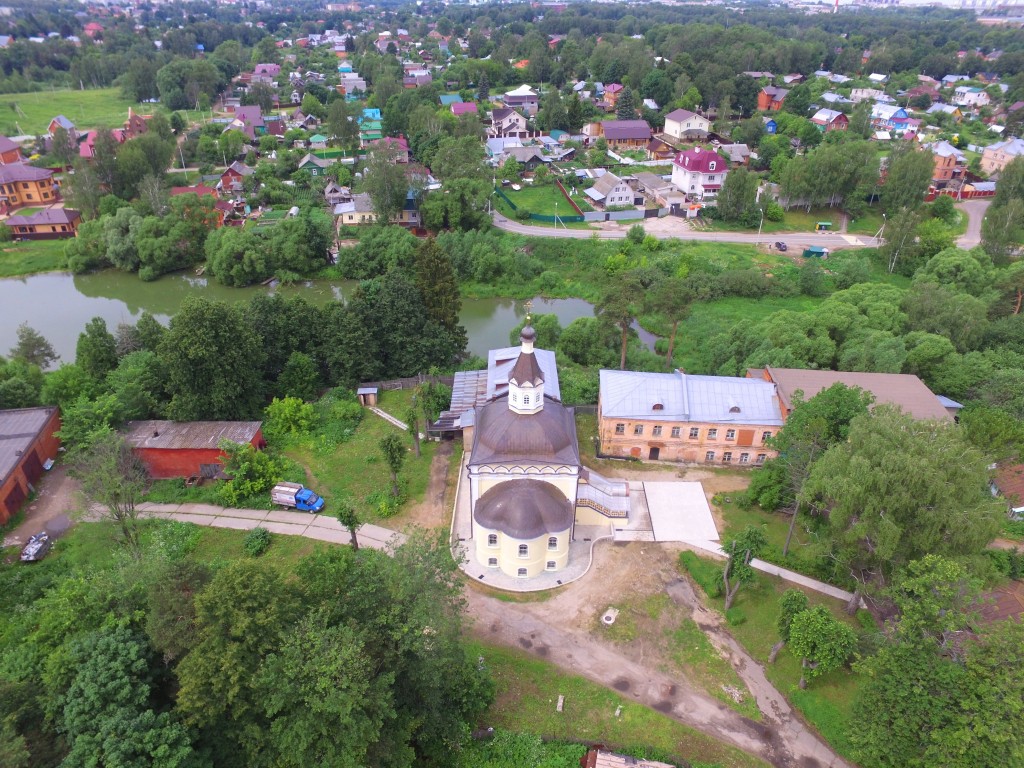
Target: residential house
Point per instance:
(463, 108)
(496, 147)
(265, 73)
(973, 98)
(87, 147)
(188, 448)
(369, 132)
(888, 117)
(794, 79)
(233, 177)
(950, 162)
(28, 444)
(416, 78)
(878, 79)
(950, 80)
(923, 90)
(529, 158)
(660, 150)
(307, 122)
(834, 98)
(10, 152)
(136, 124)
(506, 122)
(359, 210)
(523, 98)
(759, 75)
(400, 147)
(335, 194)
(682, 417)
(830, 120)
(447, 99)
(906, 391)
(61, 122)
(612, 92)
(770, 99)
(654, 188)
(1008, 483)
(738, 154)
(318, 141)
(352, 86)
(626, 134)
(316, 166)
(948, 109)
(994, 157)
(699, 173)
(770, 126)
(610, 190)
(22, 185)
(48, 224)
(682, 124)
(248, 120)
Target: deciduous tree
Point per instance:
(822, 642)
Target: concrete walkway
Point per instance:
(321, 527)
(974, 210)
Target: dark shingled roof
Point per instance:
(524, 509)
(526, 369)
(503, 436)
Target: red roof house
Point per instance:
(183, 449)
(699, 172)
(464, 108)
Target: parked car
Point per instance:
(782, 246)
(36, 547)
(296, 496)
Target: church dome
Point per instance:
(504, 436)
(524, 509)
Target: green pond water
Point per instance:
(59, 304)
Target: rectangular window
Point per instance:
(492, 562)
(24, 185)
(638, 429)
(727, 457)
(550, 565)
(675, 431)
(694, 433)
(709, 456)
(730, 434)
(524, 550)
(712, 434)
(744, 458)
(620, 429)
(656, 431)
(761, 457)
(766, 436)
(526, 399)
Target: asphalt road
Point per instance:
(975, 210)
(665, 230)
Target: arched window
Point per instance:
(524, 550)
(521, 573)
(526, 399)
(492, 540)
(553, 542)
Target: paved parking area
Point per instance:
(680, 512)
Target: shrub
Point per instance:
(174, 539)
(253, 473)
(288, 416)
(773, 212)
(866, 620)
(636, 234)
(384, 504)
(735, 617)
(522, 214)
(256, 541)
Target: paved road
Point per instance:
(975, 210)
(683, 232)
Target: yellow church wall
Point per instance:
(588, 516)
(509, 561)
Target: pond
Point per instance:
(58, 305)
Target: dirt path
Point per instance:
(50, 510)
(781, 739)
(431, 512)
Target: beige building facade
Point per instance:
(718, 420)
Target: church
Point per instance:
(527, 488)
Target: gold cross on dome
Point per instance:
(528, 305)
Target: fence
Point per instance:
(541, 216)
(571, 201)
(409, 383)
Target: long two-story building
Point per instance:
(682, 417)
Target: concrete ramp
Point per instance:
(680, 512)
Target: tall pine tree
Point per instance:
(625, 107)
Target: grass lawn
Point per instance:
(542, 199)
(183, 178)
(528, 689)
(827, 703)
(31, 256)
(31, 113)
(506, 210)
(355, 469)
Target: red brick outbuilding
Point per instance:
(27, 441)
(185, 448)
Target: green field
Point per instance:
(31, 256)
(543, 198)
(30, 113)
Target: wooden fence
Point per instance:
(409, 383)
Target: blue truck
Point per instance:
(295, 495)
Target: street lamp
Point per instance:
(759, 224)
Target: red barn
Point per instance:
(187, 448)
(27, 442)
